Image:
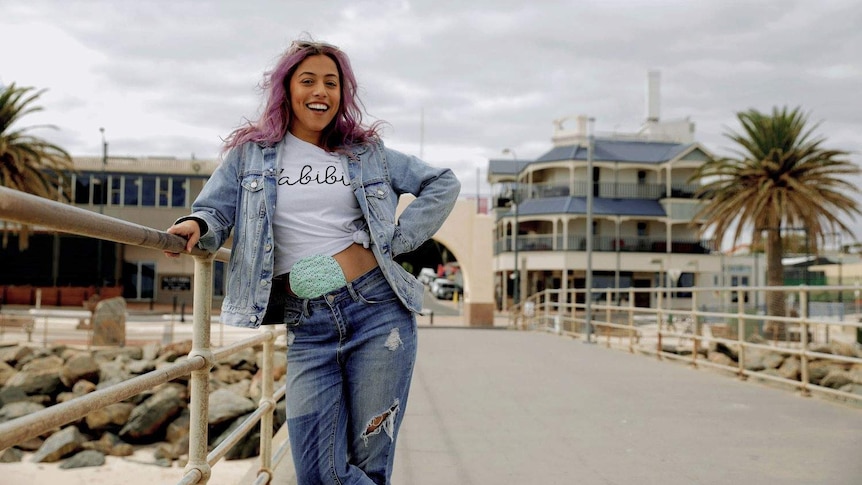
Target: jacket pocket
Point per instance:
(378, 195)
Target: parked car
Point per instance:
(426, 276)
(444, 289)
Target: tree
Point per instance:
(780, 179)
(28, 163)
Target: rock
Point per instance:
(109, 322)
(173, 351)
(818, 369)
(45, 381)
(242, 360)
(247, 447)
(227, 375)
(179, 427)
(110, 416)
(141, 366)
(58, 445)
(14, 355)
(790, 368)
(83, 387)
(18, 409)
(225, 405)
(852, 388)
(837, 379)
(845, 349)
(79, 367)
(11, 455)
(6, 371)
(10, 395)
(84, 459)
(720, 358)
(32, 444)
(43, 363)
(110, 444)
(149, 418)
(773, 360)
(730, 351)
(111, 373)
(150, 351)
(111, 354)
(754, 359)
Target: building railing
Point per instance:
(24, 208)
(545, 242)
(609, 190)
(683, 330)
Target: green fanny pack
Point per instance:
(315, 276)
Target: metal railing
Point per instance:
(24, 208)
(680, 329)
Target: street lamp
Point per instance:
(588, 281)
(516, 200)
(102, 200)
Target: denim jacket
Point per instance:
(241, 196)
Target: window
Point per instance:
(148, 191)
(115, 189)
(139, 280)
(81, 189)
(132, 187)
(641, 177)
(642, 229)
(179, 187)
(164, 184)
(99, 185)
(739, 281)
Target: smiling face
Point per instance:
(315, 95)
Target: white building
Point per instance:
(644, 231)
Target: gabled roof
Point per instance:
(619, 151)
(506, 166)
(601, 206)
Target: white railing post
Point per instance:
(695, 328)
(804, 375)
(266, 399)
(631, 319)
(199, 401)
(659, 319)
(740, 334)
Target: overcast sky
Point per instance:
(173, 77)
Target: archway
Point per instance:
(468, 237)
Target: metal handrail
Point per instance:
(24, 208)
(553, 313)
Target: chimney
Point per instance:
(653, 98)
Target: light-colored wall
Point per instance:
(468, 236)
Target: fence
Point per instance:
(827, 351)
(28, 209)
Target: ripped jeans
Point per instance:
(350, 361)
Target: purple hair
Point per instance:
(346, 128)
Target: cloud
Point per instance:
(456, 81)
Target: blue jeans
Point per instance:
(350, 361)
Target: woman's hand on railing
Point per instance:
(190, 230)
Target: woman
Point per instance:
(310, 194)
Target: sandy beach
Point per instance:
(137, 469)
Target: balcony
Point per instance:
(606, 190)
(632, 244)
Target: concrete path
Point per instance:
(492, 406)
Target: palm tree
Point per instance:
(28, 163)
(781, 178)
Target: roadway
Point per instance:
(507, 407)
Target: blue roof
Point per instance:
(601, 206)
(506, 166)
(619, 151)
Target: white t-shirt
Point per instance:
(316, 211)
